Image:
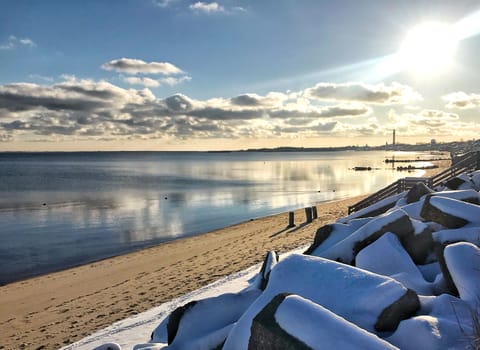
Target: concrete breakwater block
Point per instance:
(387, 257)
(204, 323)
(463, 263)
(461, 182)
(373, 302)
(374, 209)
(396, 221)
(271, 259)
(450, 213)
(291, 322)
(418, 191)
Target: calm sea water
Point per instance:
(59, 210)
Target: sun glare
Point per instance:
(428, 48)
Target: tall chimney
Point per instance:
(393, 143)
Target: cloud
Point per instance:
(322, 112)
(462, 100)
(429, 122)
(148, 82)
(136, 66)
(358, 92)
(4, 137)
(171, 81)
(254, 100)
(41, 77)
(204, 7)
(87, 109)
(13, 42)
(163, 3)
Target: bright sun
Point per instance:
(428, 49)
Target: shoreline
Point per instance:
(57, 309)
(171, 240)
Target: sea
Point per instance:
(59, 210)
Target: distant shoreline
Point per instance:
(454, 146)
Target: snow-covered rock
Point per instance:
(465, 234)
(450, 213)
(463, 263)
(386, 256)
(469, 195)
(327, 236)
(260, 282)
(396, 222)
(443, 322)
(461, 182)
(290, 321)
(189, 328)
(416, 192)
(373, 210)
(475, 178)
(363, 298)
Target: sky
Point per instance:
(236, 74)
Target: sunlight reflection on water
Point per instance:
(61, 210)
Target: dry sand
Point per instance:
(50, 311)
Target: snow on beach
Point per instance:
(408, 278)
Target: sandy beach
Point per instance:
(54, 310)
(50, 311)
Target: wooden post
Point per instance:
(308, 214)
(314, 212)
(291, 220)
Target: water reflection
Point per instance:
(98, 205)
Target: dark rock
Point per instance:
(266, 333)
(454, 183)
(402, 228)
(320, 236)
(174, 320)
(271, 259)
(403, 308)
(449, 284)
(419, 246)
(431, 213)
(417, 192)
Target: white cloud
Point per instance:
(429, 122)
(376, 94)
(163, 3)
(136, 66)
(171, 81)
(462, 100)
(148, 82)
(41, 77)
(205, 7)
(13, 42)
(81, 108)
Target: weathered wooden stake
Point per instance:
(308, 214)
(291, 219)
(314, 212)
